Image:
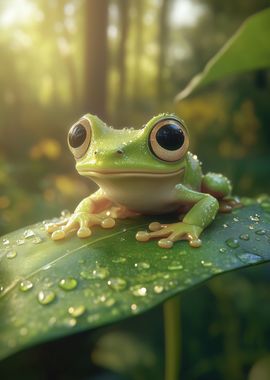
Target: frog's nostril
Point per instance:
(95, 152)
(119, 151)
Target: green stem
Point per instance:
(171, 310)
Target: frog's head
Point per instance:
(157, 150)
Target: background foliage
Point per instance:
(126, 60)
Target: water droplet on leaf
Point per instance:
(119, 260)
(26, 285)
(68, 283)
(117, 283)
(232, 243)
(76, 311)
(28, 234)
(158, 289)
(138, 290)
(244, 236)
(11, 254)
(249, 258)
(175, 265)
(260, 232)
(20, 241)
(222, 250)
(206, 263)
(45, 297)
(142, 265)
(101, 273)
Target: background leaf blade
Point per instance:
(248, 49)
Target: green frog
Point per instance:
(148, 171)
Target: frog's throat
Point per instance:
(132, 173)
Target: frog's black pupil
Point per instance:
(77, 136)
(170, 137)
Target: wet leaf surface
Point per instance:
(50, 289)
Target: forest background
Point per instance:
(124, 60)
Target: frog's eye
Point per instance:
(169, 140)
(79, 138)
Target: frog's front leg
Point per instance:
(89, 212)
(200, 215)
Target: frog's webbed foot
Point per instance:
(170, 233)
(81, 221)
(228, 204)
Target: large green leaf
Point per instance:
(51, 289)
(248, 49)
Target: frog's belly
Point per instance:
(143, 195)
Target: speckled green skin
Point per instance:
(137, 182)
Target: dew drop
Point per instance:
(11, 254)
(76, 311)
(117, 283)
(1, 288)
(86, 275)
(235, 219)
(71, 322)
(222, 250)
(232, 243)
(26, 285)
(244, 236)
(249, 258)
(138, 290)
(28, 234)
(101, 273)
(68, 283)
(20, 241)
(260, 232)
(119, 260)
(255, 218)
(36, 240)
(206, 263)
(225, 225)
(45, 297)
(142, 265)
(5, 242)
(158, 289)
(175, 265)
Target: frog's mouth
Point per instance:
(132, 173)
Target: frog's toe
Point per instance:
(155, 226)
(142, 236)
(51, 227)
(108, 223)
(194, 242)
(84, 232)
(58, 235)
(145, 236)
(165, 243)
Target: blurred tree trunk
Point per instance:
(95, 91)
(138, 48)
(121, 57)
(163, 43)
